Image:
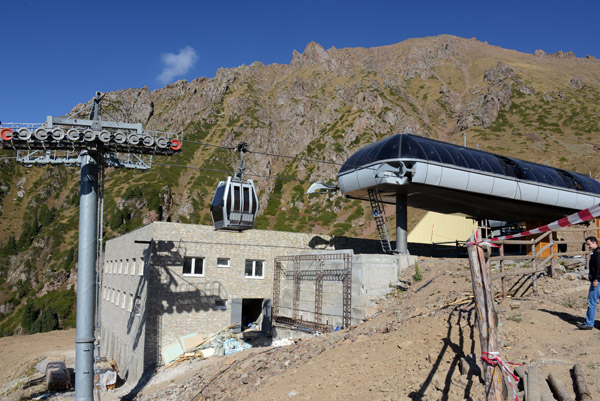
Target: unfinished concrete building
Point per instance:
(167, 280)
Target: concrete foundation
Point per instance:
(371, 279)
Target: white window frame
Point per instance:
(133, 267)
(130, 307)
(223, 265)
(126, 268)
(141, 272)
(193, 269)
(253, 275)
(121, 267)
(123, 299)
(112, 295)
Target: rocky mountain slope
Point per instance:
(324, 105)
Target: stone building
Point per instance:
(167, 280)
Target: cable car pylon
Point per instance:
(92, 144)
(235, 203)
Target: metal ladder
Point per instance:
(380, 219)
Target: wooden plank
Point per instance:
(511, 257)
(513, 242)
(510, 273)
(502, 270)
(548, 245)
(541, 237)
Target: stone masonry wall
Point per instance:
(124, 299)
(147, 301)
(186, 304)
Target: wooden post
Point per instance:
(554, 255)
(581, 389)
(533, 265)
(487, 320)
(587, 254)
(560, 393)
(502, 270)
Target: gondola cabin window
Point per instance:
(193, 267)
(254, 268)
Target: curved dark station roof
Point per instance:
(412, 147)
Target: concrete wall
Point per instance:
(371, 278)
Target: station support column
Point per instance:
(401, 223)
(84, 341)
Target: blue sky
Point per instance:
(57, 54)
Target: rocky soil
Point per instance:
(411, 348)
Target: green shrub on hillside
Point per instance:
(55, 310)
(275, 199)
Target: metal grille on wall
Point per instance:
(317, 276)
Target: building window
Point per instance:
(126, 270)
(121, 266)
(123, 300)
(222, 262)
(133, 269)
(141, 266)
(137, 306)
(254, 268)
(193, 266)
(112, 295)
(130, 307)
(220, 304)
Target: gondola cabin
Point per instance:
(234, 205)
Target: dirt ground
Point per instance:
(411, 349)
(19, 354)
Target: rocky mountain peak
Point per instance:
(313, 54)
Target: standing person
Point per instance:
(594, 276)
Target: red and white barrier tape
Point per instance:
(479, 241)
(575, 218)
(494, 359)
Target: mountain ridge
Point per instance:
(323, 105)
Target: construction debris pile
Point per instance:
(192, 346)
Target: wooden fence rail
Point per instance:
(539, 263)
